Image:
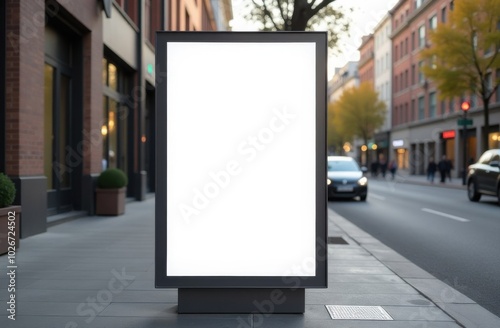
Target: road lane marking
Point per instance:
(377, 196)
(446, 215)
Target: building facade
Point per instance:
(366, 64)
(423, 126)
(383, 81)
(78, 96)
(344, 78)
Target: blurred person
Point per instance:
(393, 166)
(431, 169)
(443, 168)
(383, 165)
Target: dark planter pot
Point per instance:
(5, 232)
(110, 201)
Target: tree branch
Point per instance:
(285, 18)
(320, 6)
(267, 13)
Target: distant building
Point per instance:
(78, 95)
(366, 62)
(383, 82)
(344, 78)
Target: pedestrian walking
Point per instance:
(443, 168)
(393, 166)
(383, 165)
(449, 167)
(374, 168)
(431, 169)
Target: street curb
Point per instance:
(402, 179)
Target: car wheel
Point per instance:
(472, 191)
(362, 198)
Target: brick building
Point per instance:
(422, 125)
(366, 64)
(77, 96)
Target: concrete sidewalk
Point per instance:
(403, 176)
(99, 272)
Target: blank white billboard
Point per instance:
(241, 159)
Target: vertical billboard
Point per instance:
(241, 160)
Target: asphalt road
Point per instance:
(439, 230)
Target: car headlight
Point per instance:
(363, 181)
(328, 181)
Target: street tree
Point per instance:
(358, 113)
(299, 15)
(463, 57)
(337, 133)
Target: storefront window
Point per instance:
(494, 140)
(115, 118)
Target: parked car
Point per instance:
(345, 178)
(483, 177)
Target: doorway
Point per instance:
(62, 158)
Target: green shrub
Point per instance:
(112, 179)
(7, 191)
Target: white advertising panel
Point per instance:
(241, 158)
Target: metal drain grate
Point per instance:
(350, 312)
(337, 241)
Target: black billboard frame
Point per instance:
(290, 285)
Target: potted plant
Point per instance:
(110, 192)
(9, 216)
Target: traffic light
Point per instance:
(465, 106)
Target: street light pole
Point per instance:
(465, 107)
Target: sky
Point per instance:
(365, 16)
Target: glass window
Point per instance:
(421, 36)
(104, 71)
(114, 125)
(452, 105)
(421, 108)
(421, 77)
(64, 154)
(473, 100)
(412, 110)
(432, 104)
(443, 107)
(433, 21)
(443, 14)
(104, 133)
(488, 83)
(112, 77)
(494, 140)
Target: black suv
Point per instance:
(483, 177)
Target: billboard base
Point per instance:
(241, 300)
